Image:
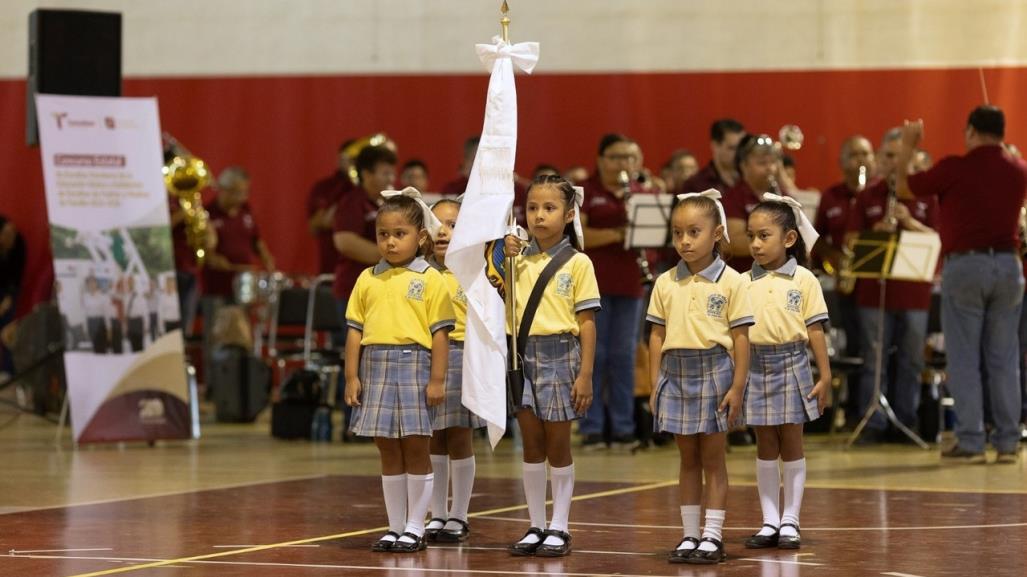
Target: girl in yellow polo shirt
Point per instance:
(399, 317)
(782, 396)
(558, 358)
(452, 453)
(700, 318)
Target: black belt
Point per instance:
(990, 251)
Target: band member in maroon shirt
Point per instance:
(239, 246)
(604, 218)
(321, 206)
(980, 195)
(721, 173)
(906, 302)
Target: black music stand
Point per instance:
(648, 221)
(873, 258)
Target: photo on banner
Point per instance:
(114, 268)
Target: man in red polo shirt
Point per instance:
(980, 194)
(906, 302)
(321, 206)
(604, 218)
(721, 173)
(239, 246)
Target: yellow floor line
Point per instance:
(165, 563)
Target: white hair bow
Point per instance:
(579, 200)
(714, 195)
(431, 223)
(809, 234)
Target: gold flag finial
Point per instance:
(505, 21)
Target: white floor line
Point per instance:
(414, 570)
(311, 546)
(17, 552)
(637, 553)
(804, 528)
(894, 574)
(782, 562)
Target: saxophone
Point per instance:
(185, 176)
(846, 282)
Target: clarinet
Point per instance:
(646, 275)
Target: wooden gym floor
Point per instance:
(238, 503)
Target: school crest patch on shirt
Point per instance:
(794, 302)
(415, 290)
(563, 284)
(715, 305)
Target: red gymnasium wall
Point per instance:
(285, 129)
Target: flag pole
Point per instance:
(511, 277)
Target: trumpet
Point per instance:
(646, 275)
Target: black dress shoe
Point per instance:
(430, 534)
(679, 555)
(700, 557)
(788, 541)
(544, 550)
(418, 544)
(520, 549)
(758, 541)
(454, 536)
(382, 545)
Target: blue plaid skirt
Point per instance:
(691, 387)
(779, 381)
(551, 363)
(452, 412)
(393, 400)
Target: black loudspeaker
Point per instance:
(241, 384)
(71, 52)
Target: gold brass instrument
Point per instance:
(790, 137)
(352, 150)
(646, 275)
(845, 282)
(1023, 232)
(185, 176)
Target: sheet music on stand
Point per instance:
(648, 221)
(884, 256)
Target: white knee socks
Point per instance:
(768, 480)
(463, 484)
(794, 473)
(440, 489)
(419, 489)
(535, 494)
(394, 487)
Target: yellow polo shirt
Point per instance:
(786, 301)
(571, 290)
(699, 310)
(459, 300)
(400, 305)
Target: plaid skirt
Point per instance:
(779, 381)
(691, 387)
(452, 412)
(551, 363)
(393, 399)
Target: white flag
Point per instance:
(483, 218)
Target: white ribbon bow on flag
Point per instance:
(579, 200)
(523, 54)
(809, 234)
(431, 223)
(714, 195)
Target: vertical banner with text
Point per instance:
(114, 267)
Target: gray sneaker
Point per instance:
(624, 443)
(958, 453)
(1008, 458)
(593, 443)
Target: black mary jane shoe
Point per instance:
(555, 550)
(700, 557)
(430, 534)
(418, 544)
(789, 541)
(758, 541)
(383, 545)
(679, 555)
(454, 536)
(520, 549)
